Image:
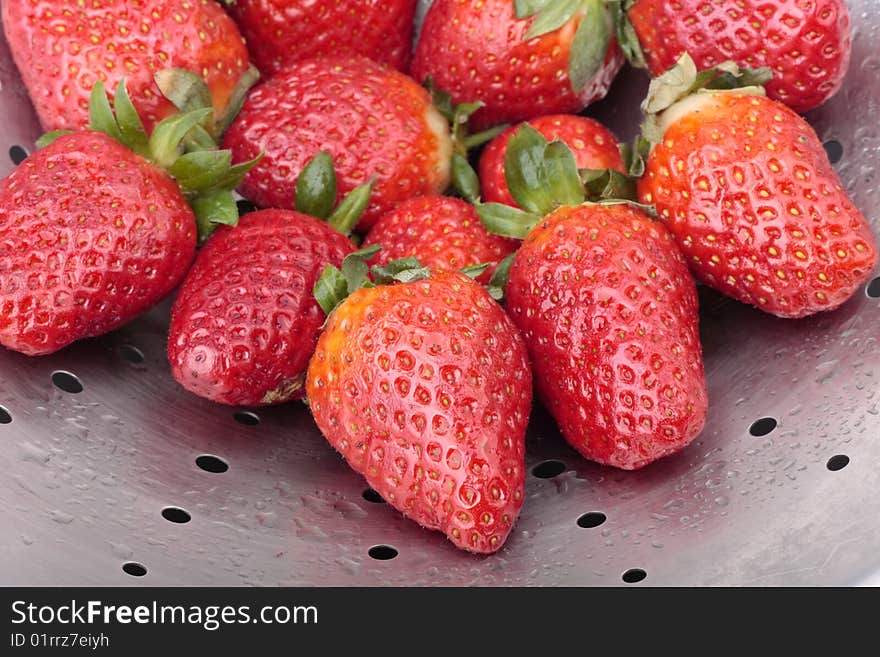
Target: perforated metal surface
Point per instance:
(85, 477)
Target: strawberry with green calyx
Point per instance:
(746, 187)
(245, 322)
(372, 119)
(63, 48)
(280, 33)
(206, 176)
(522, 58)
(95, 231)
(443, 233)
(806, 44)
(593, 145)
(543, 176)
(607, 308)
(424, 387)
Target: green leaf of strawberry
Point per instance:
(214, 209)
(561, 174)
(331, 289)
(498, 283)
(316, 187)
(349, 211)
(526, 8)
(683, 80)
(50, 137)
(334, 285)
(541, 176)
(590, 46)
(552, 16)
(205, 175)
(199, 171)
(507, 221)
(188, 92)
(464, 179)
(608, 184)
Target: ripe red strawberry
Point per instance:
(282, 32)
(63, 48)
(521, 59)
(245, 323)
(424, 388)
(593, 145)
(607, 309)
(747, 189)
(442, 233)
(806, 43)
(93, 234)
(373, 120)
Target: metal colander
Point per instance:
(111, 474)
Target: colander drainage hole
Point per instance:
(211, 463)
(763, 426)
(834, 149)
(382, 552)
(17, 154)
(247, 418)
(634, 575)
(591, 519)
(372, 496)
(874, 289)
(131, 354)
(67, 382)
(176, 515)
(5, 417)
(548, 469)
(134, 569)
(837, 462)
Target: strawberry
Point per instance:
(607, 309)
(424, 388)
(747, 189)
(444, 234)
(245, 321)
(521, 58)
(282, 32)
(593, 145)
(806, 44)
(93, 231)
(371, 119)
(63, 48)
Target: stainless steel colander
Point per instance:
(110, 474)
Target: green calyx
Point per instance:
(188, 92)
(464, 178)
(589, 48)
(206, 177)
(498, 283)
(335, 284)
(626, 35)
(543, 176)
(683, 80)
(316, 190)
